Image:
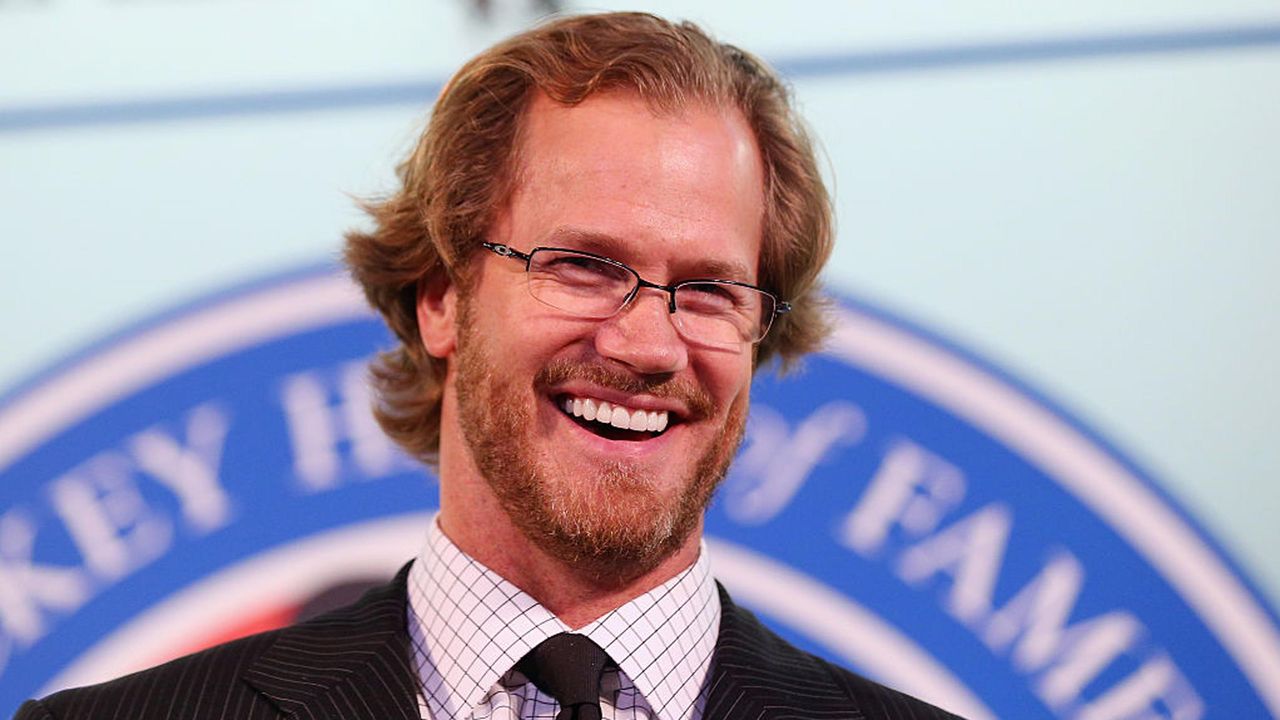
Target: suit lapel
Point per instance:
(730, 693)
(353, 662)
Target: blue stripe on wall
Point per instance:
(1029, 51)
(858, 63)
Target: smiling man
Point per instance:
(554, 478)
(609, 224)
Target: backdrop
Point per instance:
(1075, 201)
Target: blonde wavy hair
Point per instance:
(462, 172)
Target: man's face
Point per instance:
(675, 197)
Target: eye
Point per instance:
(574, 269)
(708, 298)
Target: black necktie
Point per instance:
(568, 667)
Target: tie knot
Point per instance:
(568, 667)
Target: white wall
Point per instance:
(1083, 193)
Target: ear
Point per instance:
(437, 315)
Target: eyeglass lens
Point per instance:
(706, 311)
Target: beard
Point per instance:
(611, 523)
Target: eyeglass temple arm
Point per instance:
(506, 251)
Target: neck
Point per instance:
(481, 528)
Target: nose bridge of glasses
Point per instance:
(668, 290)
(641, 333)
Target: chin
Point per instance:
(612, 528)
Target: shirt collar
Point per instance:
(663, 639)
(470, 626)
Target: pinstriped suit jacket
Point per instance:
(354, 663)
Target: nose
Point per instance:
(642, 337)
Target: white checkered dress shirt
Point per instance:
(469, 628)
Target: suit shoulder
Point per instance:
(32, 710)
(203, 684)
(749, 653)
(217, 682)
(877, 700)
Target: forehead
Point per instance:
(613, 176)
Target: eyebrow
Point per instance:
(611, 246)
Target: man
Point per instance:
(609, 224)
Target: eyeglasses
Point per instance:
(723, 313)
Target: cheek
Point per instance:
(729, 380)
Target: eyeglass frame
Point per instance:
(780, 306)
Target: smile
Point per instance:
(600, 413)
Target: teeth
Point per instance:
(616, 415)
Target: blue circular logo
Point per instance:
(899, 506)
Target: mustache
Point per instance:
(681, 390)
